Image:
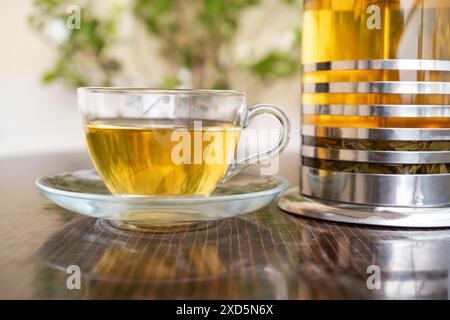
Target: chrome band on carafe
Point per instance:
(409, 165)
(396, 190)
(395, 134)
(388, 64)
(385, 87)
(377, 110)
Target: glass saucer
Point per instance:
(84, 192)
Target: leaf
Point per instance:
(170, 82)
(376, 168)
(222, 83)
(275, 65)
(48, 77)
(382, 145)
(153, 12)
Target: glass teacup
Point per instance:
(147, 142)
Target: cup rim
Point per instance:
(144, 90)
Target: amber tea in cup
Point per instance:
(143, 150)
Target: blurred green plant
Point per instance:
(195, 37)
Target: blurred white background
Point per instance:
(38, 118)
(34, 117)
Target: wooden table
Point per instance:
(267, 254)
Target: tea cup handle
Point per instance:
(275, 150)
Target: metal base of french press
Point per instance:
(293, 202)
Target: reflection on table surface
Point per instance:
(266, 254)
